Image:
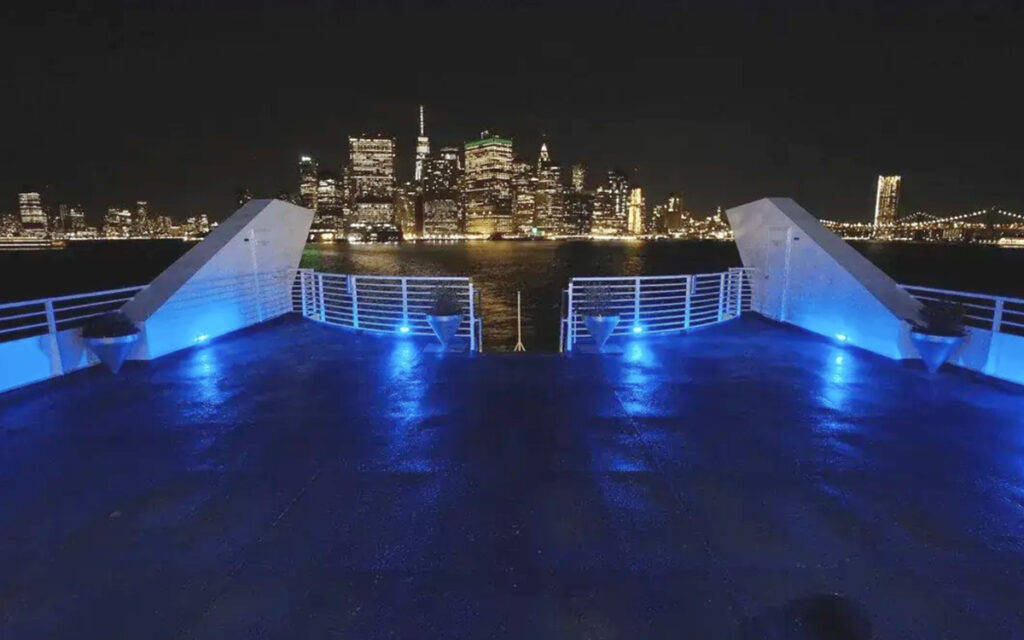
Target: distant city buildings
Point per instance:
(372, 179)
(488, 185)
(887, 199)
(442, 202)
(308, 182)
(422, 149)
(611, 205)
(30, 211)
(635, 212)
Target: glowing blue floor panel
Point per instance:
(298, 480)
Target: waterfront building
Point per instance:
(422, 149)
(30, 210)
(76, 219)
(117, 223)
(488, 185)
(196, 226)
(550, 218)
(886, 201)
(10, 225)
(579, 206)
(635, 223)
(372, 180)
(524, 198)
(442, 207)
(330, 202)
(611, 202)
(407, 206)
(308, 183)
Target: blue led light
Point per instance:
(638, 329)
(202, 337)
(839, 359)
(403, 329)
(841, 337)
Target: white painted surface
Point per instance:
(815, 280)
(230, 280)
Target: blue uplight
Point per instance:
(403, 329)
(638, 329)
(839, 359)
(202, 337)
(841, 337)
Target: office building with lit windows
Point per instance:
(30, 210)
(372, 179)
(886, 201)
(308, 182)
(330, 201)
(488, 185)
(611, 205)
(524, 196)
(442, 206)
(550, 200)
(635, 212)
(422, 149)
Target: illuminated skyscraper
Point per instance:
(674, 213)
(442, 208)
(407, 199)
(422, 148)
(635, 222)
(30, 209)
(886, 202)
(330, 202)
(307, 182)
(524, 197)
(611, 214)
(579, 207)
(550, 216)
(579, 177)
(141, 210)
(488, 185)
(117, 223)
(76, 219)
(371, 176)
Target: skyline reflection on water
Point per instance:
(539, 269)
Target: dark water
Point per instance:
(539, 269)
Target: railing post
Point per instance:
(472, 319)
(997, 316)
(320, 295)
(686, 305)
(636, 303)
(51, 317)
(302, 291)
(571, 332)
(353, 291)
(721, 296)
(405, 303)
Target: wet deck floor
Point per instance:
(298, 480)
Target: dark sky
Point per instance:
(181, 104)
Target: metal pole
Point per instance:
(472, 320)
(571, 330)
(353, 290)
(519, 322)
(997, 316)
(405, 303)
(689, 296)
(721, 295)
(320, 296)
(636, 303)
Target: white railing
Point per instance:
(384, 304)
(658, 304)
(41, 316)
(997, 314)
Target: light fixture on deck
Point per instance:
(403, 329)
(202, 337)
(841, 337)
(638, 329)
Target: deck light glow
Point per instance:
(638, 329)
(202, 337)
(841, 337)
(403, 329)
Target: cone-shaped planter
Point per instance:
(112, 352)
(445, 327)
(935, 350)
(600, 328)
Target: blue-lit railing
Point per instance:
(657, 304)
(998, 314)
(384, 304)
(41, 316)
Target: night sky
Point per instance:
(180, 105)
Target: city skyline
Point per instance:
(725, 105)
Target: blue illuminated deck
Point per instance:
(298, 480)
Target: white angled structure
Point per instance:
(810, 277)
(239, 275)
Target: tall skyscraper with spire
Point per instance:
(422, 148)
